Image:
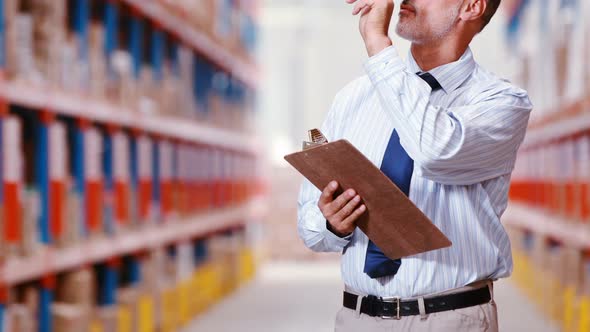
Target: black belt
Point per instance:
(394, 308)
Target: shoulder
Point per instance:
(487, 86)
(356, 88)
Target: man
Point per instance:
(446, 131)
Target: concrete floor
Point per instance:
(296, 297)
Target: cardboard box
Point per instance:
(49, 17)
(78, 287)
(121, 87)
(25, 65)
(147, 87)
(107, 318)
(74, 73)
(69, 317)
(11, 36)
(127, 299)
(31, 211)
(19, 318)
(585, 274)
(97, 60)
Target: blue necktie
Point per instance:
(398, 166)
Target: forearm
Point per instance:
(311, 223)
(376, 44)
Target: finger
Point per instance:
(351, 220)
(362, 6)
(328, 193)
(340, 202)
(349, 208)
(350, 1)
(359, 6)
(366, 10)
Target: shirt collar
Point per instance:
(451, 75)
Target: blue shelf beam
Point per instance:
(157, 52)
(111, 17)
(109, 187)
(42, 179)
(156, 192)
(136, 43)
(81, 24)
(79, 174)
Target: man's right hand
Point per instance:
(342, 212)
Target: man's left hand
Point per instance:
(374, 23)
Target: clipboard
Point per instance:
(391, 220)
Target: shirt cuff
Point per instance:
(335, 240)
(384, 64)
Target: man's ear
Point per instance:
(473, 10)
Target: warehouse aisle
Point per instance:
(305, 297)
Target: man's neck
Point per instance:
(431, 55)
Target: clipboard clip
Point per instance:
(315, 138)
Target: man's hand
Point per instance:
(342, 212)
(374, 23)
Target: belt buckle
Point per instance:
(395, 300)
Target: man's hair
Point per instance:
(491, 8)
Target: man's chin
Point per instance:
(403, 32)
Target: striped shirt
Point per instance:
(463, 139)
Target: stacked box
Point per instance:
(78, 288)
(97, 61)
(169, 93)
(121, 88)
(223, 251)
(69, 317)
(186, 64)
(3, 245)
(19, 318)
(11, 37)
(74, 72)
(106, 319)
(73, 232)
(31, 211)
(226, 28)
(21, 309)
(48, 35)
(169, 321)
(127, 300)
(25, 67)
(12, 179)
(574, 271)
(146, 92)
(218, 114)
(145, 310)
(585, 274)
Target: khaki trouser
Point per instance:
(482, 318)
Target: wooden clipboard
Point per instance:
(391, 220)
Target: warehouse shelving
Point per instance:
(572, 120)
(548, 216)
(123, 166)
(548, 225)
(242, 68)
(73, 105)
(55, 260)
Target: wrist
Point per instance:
(333, 231)
(377, 44)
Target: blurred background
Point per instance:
(143, 181)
